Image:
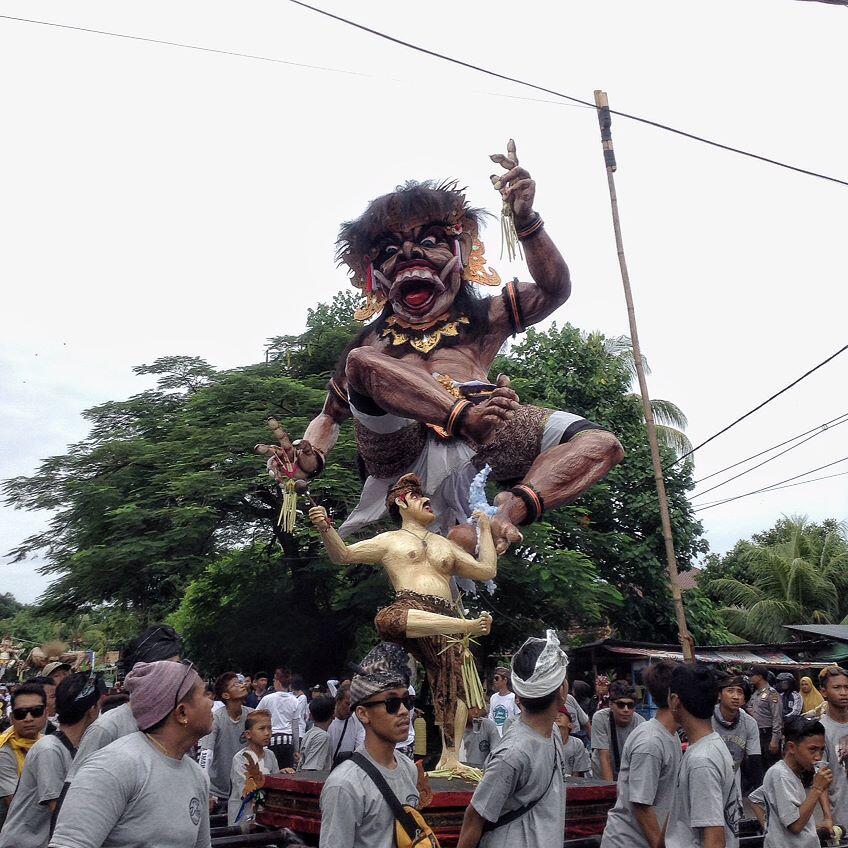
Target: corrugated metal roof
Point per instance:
(725, 657)
(837, 632)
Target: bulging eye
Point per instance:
(390, 249)
(428, 241)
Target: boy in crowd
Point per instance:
(502, 705)
(354, 810)
(257, 734)
(521, 799)
(316, 753)
(480, 737)
(220, 746)
(285, 721)
(765, 708)
(259, 690)
(834, 683)
(783, 806)
(739, 731)
(706, 806)
(28, 710)
(28, 822)
(346, 730)
(158, 643)
(574, 753)
(621, 715)
(649, 765)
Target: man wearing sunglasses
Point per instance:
(354, 811)
(29, 715)
(502, 706)
(610, 729)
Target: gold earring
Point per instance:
(476, 271)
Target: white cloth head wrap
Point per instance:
(549, 672)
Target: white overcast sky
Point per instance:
(158, 200)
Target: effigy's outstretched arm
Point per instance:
(420, 623)
(369, 552)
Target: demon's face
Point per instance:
(419, 271)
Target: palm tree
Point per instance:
(669, 418)
(800, 580)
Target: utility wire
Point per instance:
(761, 405)
(824, 429)
(772, 486)
(773, 447)
(497, 75)
(787, 486)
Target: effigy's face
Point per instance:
(419, 509)
(418, 271)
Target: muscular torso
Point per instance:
(410, 566)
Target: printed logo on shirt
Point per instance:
(499, 715)
(194, 810)
(485, 747)
(411, 801)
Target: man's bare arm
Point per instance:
(606, 764)
(485, 567)
(646, 818)
(713, 837)
(472, 828)
(369, 552)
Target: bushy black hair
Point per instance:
(697, 688)
(798, 728)
(621, 689)
(70, 708)
(322, 708)
(658, 679)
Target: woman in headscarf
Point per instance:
(143, 789)
(814, 704)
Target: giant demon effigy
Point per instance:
(416, 383)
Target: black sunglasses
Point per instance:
(625, 705)
(20, 713)
(392, 703)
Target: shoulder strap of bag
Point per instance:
(66, 742)
(341, 739)
(616, 754)
(511, 816)
(401, 815)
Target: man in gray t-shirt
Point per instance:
(28, 821)
(621, 714)
(706, 798)
(835, 691)
(218, 749)
(480, 737)
(132, 795)
(106, 729)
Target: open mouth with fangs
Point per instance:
(417, 287)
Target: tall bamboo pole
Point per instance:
(605, 121)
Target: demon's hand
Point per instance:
(290, 460)
(516, 186)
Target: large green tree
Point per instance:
(164, 509)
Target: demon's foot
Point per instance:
(504, 533)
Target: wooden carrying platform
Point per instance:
(292, 801)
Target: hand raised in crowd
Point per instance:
(823, 779)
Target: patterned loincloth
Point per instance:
(442, 663)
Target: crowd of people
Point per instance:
(82, 767)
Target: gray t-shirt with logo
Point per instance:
(354, 813)
(224, 741)
(28, 820)
(781, 796)
(705, 796)
(648, 775)
(836, 753)
(316, 754)
(107, 728)
(477, 745)
(524, 767)
(601, 737)
(131, 795)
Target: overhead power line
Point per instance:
(824, 429)
(777, 488)
(773, 486)
(761, 405)
(435, 54)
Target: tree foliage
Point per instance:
(794, 573)
(164, 510)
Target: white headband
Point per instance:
(548, 674)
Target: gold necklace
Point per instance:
(160, 746)
(422, 338)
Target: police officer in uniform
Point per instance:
(765, 708)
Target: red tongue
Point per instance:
(418, 298)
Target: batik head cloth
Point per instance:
(549, 672)
(385, 667)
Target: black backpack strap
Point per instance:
(616, 753)
(406, 821)
(341, 739)
(511, 816)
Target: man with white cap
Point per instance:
(143, 789)
(520, 802)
